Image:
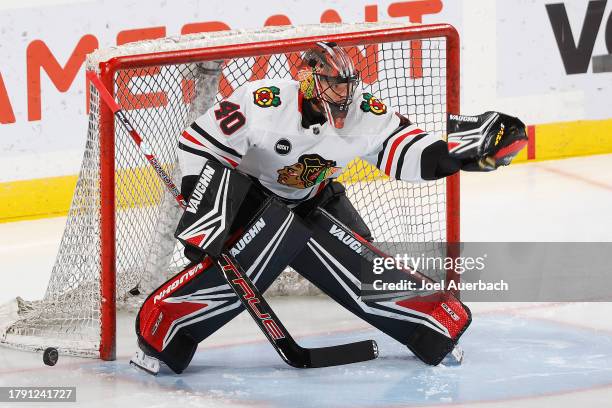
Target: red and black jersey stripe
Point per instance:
(401, 127)
(402, 155)
(196, 140)
(205, 154)
(390, 155)
(219, 145)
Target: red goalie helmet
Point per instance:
(329, 77)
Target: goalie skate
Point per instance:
(454, 358)
(144, 362)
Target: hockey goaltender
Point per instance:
(263, 163)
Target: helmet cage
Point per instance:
(326, 89)
(335, 109)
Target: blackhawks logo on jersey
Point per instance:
(310, 170)
(373, 104)
(267, 96)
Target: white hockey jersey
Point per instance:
(258, 130)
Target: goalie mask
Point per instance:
(329, 78)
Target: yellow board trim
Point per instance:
(51, 197)
(570, 139)
(39, 198)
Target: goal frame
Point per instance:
(108, 69)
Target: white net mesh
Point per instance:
(161, 101)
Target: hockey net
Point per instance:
(118, 241)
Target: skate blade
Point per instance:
(146, 363)
(454, 358)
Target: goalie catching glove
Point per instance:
(485, 142)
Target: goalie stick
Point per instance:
(263, 315)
